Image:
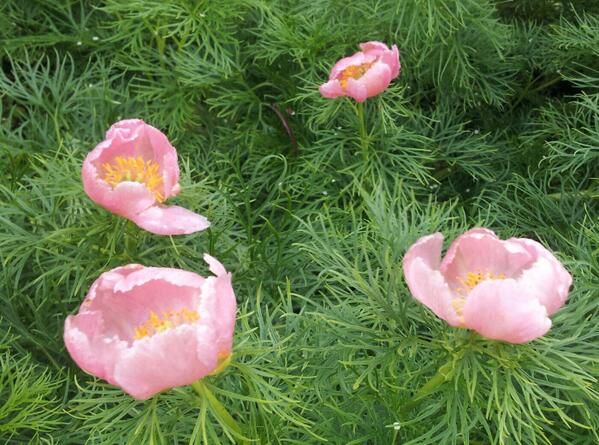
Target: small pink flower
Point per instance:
(147, 329)
(504, 290)
(132, 172)
(365, 74)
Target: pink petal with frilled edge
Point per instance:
(391, 58)
(171, 220)
(93, 352)
(215, 266)
(174, 357)
(504, 310)
(426, 283)
(374, 47)
(218, 300)
(331, 89)
(480, 250)
(547, 275)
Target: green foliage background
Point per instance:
(493, 121)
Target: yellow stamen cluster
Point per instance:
(137, 170)
(472, 279)
(469, 282)
(167, 320)
(353, 72)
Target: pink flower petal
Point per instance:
(358, 58)
(168, 275)
(376, 79)
(172, 220)
(218, 300)
(479, 250)
(503, 310)
(356, 90)
(165, 155)
(331, 89)
(426, 283)
(547, 275)
(175, 357)
(391, 59)
(93, 352)
(374, 46)
(216, 266)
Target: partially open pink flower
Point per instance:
(365, 74)
(132, 172)
(146, 329)
(504, 290)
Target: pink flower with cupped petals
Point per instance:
(147, 329)
(504, 290)
(365, 74)
(132, 172)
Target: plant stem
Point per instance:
(130, 238)
(429, 387)
(363, 133)
(592, 194)
(219, 411)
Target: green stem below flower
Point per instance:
(363, 133)
(442, 375)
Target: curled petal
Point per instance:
(503, 310)
(547, 275)
(171, 220)
(218, 300)
(391, 58)
(331, 89)
(376, 79)
(374, 47)
(426, 283)
(216, 266)
(89, 348)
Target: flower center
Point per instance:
(473, 279)
(469, 282)
(353, 72)
(134, 169)
(167, 320)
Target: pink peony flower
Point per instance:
(365, 74)
(504, 290)
(147, 329)
(132, 172)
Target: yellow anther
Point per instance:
(134, 169)
(167, 320)
(473, 279)
(353, 72)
